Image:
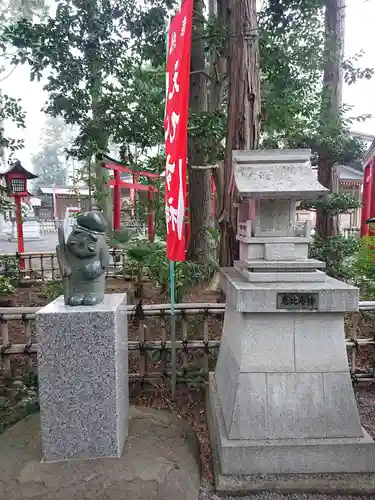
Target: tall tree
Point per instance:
(90, 49)
(243, 125)
(80, 48)
(10, 108)
(50, 161)
(328, 172)
(199, 179)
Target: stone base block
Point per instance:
(287, 464)
(252, 297)
(321, 484)
(83, 378)
(275, 277)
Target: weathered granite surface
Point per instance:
(259, 297)
(83, 378)
(160, 461)
(273, 174)
(279, 458)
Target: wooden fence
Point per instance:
(197, 341)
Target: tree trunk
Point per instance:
(243, 126)
(217, 60)
(102, 193)
(216, 90)
(199, 180)
(328, 173)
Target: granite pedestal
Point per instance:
(83, 378)
(281, 401)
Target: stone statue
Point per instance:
(83, 260)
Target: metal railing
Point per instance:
(197, 341)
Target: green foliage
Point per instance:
(208, 128)
(16, 9)
(6, 203)
(362, 268)
(9, 275)
(293, 58)
(334, 252)
(121, 237)
(334, 204)
(6, 286)
(10, 267)
(96, 55)
(137, 109)
(291, 69)
(154, 259)
(52, 289)
(149, 259)
(10, 109)
(352, 73)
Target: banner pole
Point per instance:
(173, 330)
(172, 288)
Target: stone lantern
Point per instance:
(16, 178)
(281, 407)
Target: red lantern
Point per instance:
(16, 181)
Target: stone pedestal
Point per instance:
(83, 378)
(281, 400)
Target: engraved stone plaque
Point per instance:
(297, 301)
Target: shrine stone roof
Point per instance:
(278, 173)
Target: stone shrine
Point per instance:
(281, 407)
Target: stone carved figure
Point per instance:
(83, 260)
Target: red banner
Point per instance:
(175, 127)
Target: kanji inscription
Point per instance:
(297, 301)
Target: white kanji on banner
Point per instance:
(172, 124)
(181, 203)
(173, 43)
(169, 172)
(175, 128)
(176, 87)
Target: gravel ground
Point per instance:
(205, 494)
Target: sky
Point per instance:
(360, 19)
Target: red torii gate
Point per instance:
(117, 184)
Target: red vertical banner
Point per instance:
(366, 199)
(175, 128)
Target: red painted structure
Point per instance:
(117, 184)
(368, 195)
(16, 181)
